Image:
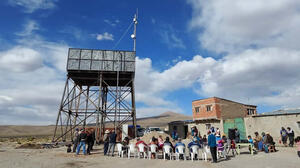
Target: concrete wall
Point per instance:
(272, 124)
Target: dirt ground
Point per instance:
(10, 157)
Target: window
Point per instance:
(298, 124)
(207, 126)
(197, 109)
(209, 108)
(250, 111)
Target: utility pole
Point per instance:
(133, 36)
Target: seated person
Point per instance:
(192, 143)
(125, 144)
(154, 141)
(167, 142)
(269, 142)
(258, 141)
(179, 143)
(221, 148)
(250, 140)
(160, 142)
(139, 141)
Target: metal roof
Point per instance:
(279, 112)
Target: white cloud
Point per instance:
(105, 36)
(29, 27)
(33, 5)
(112, 23)
(233, 26)
(267, 76)
(20, 59)
(170, 38)
(32, 78)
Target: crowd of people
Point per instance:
(214, 140)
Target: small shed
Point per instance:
(181, 127)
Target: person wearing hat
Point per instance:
(106, 141)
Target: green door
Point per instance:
(235, 123)
(239, 124)
(229, 123)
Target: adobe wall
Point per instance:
(231, 110)
(272, 124)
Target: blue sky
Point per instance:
(186, 50)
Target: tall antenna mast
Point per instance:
(133, 36)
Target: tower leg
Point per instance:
(133, 109)
(59, 110)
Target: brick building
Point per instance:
(220, 113)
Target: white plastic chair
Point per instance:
(141, 149)
(204, 152)
(195, 150)
(180, 150)
(153, 149)
(120, 151)
(221, 152)
(167, 150)
(131, 150)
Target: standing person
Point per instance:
(218, 133)
(112, 142)
(291, 136)
(211, 142)
(284, 136)
(174, 135)
(237, 136)
(89, 141)
(297, 140)
(76, 136)
(93, 138)
(82, 140)
(204, 139)
(106, 141)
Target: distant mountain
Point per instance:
(161, 121)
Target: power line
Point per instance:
(123, 35)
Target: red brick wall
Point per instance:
(214, 113)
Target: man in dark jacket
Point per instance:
(112, 142)
(82, 140)
(89, 141)
(291, 136)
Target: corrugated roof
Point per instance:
(280, 112)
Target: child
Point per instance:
(297, 140)
(250, 140)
